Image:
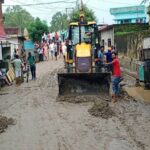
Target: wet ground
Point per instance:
(45, 122)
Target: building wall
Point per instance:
(5, 51)
(15, 44)
(131, 44)
(133, 14)
(106, 36)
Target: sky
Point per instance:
(45, 12)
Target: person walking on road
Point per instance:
(45, 52)
(51, 47)
(18, 68)
(32, 63)
(64, 50)
(116, 77)
(60, 49)
(55, 50)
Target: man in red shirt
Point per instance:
(115, 76)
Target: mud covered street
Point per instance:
(44, 122)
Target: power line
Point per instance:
(42, 3)
(117, 2)
(44, 9)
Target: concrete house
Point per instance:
(131, 14)
(106, 36)
(15, 39)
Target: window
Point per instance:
(103, 42)
(109, 42)
(84, 30)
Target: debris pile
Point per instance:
(5, 122)
(101, 109)
(82, 98)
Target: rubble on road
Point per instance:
(101, 109)
(5, 122)
(82, 99)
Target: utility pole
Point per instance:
(78, 5)
(81, 5)
(2, 32)
(69, 9)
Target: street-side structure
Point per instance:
(132, 14)
(106, 36)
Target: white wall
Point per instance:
(146, 43)
(108, 34)
(14, 45)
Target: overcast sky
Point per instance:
(100, 7)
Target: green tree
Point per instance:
(18, 17)
(59, 22)
(37, 28)
(88, 13)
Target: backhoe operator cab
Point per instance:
(83, 36)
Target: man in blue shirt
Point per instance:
(100, 58)
(109, 58)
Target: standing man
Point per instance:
(51, 47)
(100, 55)
(31, 61)
(18, 68)
(64, 51)
(109, 58)
(116, 77)
(55, 50)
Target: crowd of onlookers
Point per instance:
(50, 47)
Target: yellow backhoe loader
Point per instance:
(81, 77)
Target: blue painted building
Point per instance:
(131, 14)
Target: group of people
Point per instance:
(108, 59)
(50, 48)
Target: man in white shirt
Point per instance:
(64, 50)
(18, 68)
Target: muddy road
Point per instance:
(45, 123)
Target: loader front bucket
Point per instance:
(84, 83)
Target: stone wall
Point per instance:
(130, 44)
